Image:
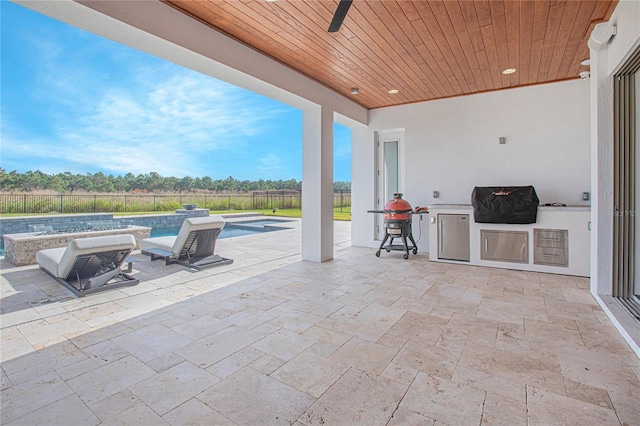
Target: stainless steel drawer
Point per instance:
(551, 247)
(550, 238)
(550, 256)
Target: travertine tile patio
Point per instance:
(274, 340)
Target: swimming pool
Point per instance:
(231, 229)
(260, 222)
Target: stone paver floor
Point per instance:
(274, 340)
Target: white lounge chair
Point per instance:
(90, 265)
(193, 247)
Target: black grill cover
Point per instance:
(506, 204)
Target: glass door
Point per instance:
(389, 172)
(626, 238)
(636, 213)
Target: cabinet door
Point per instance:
(453, 237)
(504, 246)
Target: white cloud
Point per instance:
(96, 105)
(270, 164)
(158, 127)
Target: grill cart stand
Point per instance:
(398, 229)
(398, 216)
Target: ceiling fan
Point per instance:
(338, 17)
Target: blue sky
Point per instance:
(73, 101)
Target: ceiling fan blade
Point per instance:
(338, 17)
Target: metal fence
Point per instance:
(110, 203)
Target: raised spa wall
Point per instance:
(21, 247)
(19, 225)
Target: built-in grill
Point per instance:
(505, 204)
(398, 215)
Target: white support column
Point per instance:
(317, 184)
(601, 174)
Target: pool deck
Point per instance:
(271, 339)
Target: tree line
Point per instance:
(33, 181)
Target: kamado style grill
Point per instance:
(398, 215)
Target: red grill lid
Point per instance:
(397, 208)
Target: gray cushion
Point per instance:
(50, 258)
(59, 261)
(164, 243)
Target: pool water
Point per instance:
(227, 232)
(236, 229)
(260, 222)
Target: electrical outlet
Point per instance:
(585, 196)
(436, 194)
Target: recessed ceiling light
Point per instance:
(393, 91)
(355, 91)
(586, 62)
(509, 71)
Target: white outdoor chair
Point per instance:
(193, 247)
(90, 265)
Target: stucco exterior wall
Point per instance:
(452, 145)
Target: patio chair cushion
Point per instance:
(164, 243)
(59, 261)
(49, 259)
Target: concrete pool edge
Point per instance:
(29, 244)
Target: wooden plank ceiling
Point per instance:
(423, 49)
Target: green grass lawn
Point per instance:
(345, 214)
(337, 215)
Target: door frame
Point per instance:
(625, 190)
(382, 136)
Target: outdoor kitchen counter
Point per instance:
(540, 208)
(570, 221)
